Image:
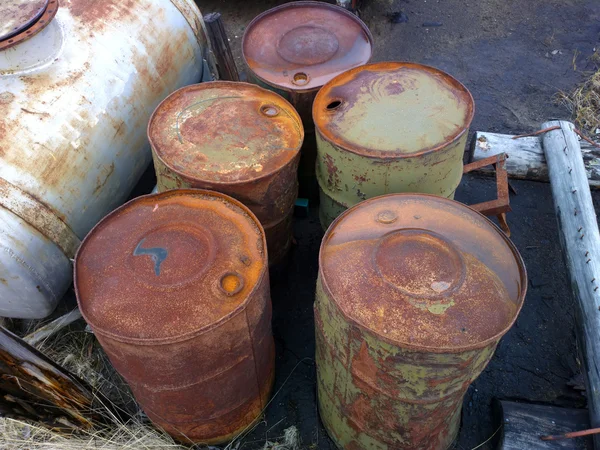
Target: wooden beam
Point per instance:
(220, 47)
(522, 426)
(580, 240)
(526, 160)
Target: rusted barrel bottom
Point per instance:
(347, 436)
(197, 431)
(345, 407)
(279, 238)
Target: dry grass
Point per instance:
(79, 352)
(584, 104)
(19, 435)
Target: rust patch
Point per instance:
(95, 15)
(332, 170)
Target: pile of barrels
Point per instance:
(414, 289)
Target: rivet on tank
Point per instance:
(294, 49)
(389, 127)
(175, 287)
(413, 295)
(234, 138)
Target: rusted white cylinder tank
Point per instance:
(79, 80)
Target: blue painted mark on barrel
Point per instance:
(158, 255)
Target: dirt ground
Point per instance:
(514, 56)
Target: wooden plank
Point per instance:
(34, 387)
(523, 424)
(220, 47)
(580, 240)
(526, 160)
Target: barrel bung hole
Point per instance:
(269, 110)
(231, 283)
(333, 105)
(300, 79)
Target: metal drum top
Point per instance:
(16, 15)
(393, 110)
(224, 132)
(300, 46)
(165, 266)
(423, 272)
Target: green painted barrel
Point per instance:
(413, 295)
(386, 128)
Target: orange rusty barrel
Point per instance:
(175, 287)
(413, 295)
(295, 49)
(234, 138)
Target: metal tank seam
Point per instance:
(258, 392)
(14, 256)
(56, 230)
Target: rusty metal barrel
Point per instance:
(414, 293)
(234, 138)
(175, 287)
(294, 49)
(389, 127)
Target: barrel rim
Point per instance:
(195, 333)
(229, 84)
(493, 340)
(302, 4)
(386, 155)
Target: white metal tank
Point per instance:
(79, 80)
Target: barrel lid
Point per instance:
(300, 46)
(167, 265)
(225, 132)
(393, 110)
(423, 271)
(19, 14)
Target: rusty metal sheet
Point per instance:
(18, 15)
(501, 205)
(414, 293)
(235, 138)
(393, 110)
(300, 46)
(176, 288)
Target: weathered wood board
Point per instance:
(580, 242)
(526, 158)
(523, 424)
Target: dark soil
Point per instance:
(514, 56)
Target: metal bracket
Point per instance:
(501, 205)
